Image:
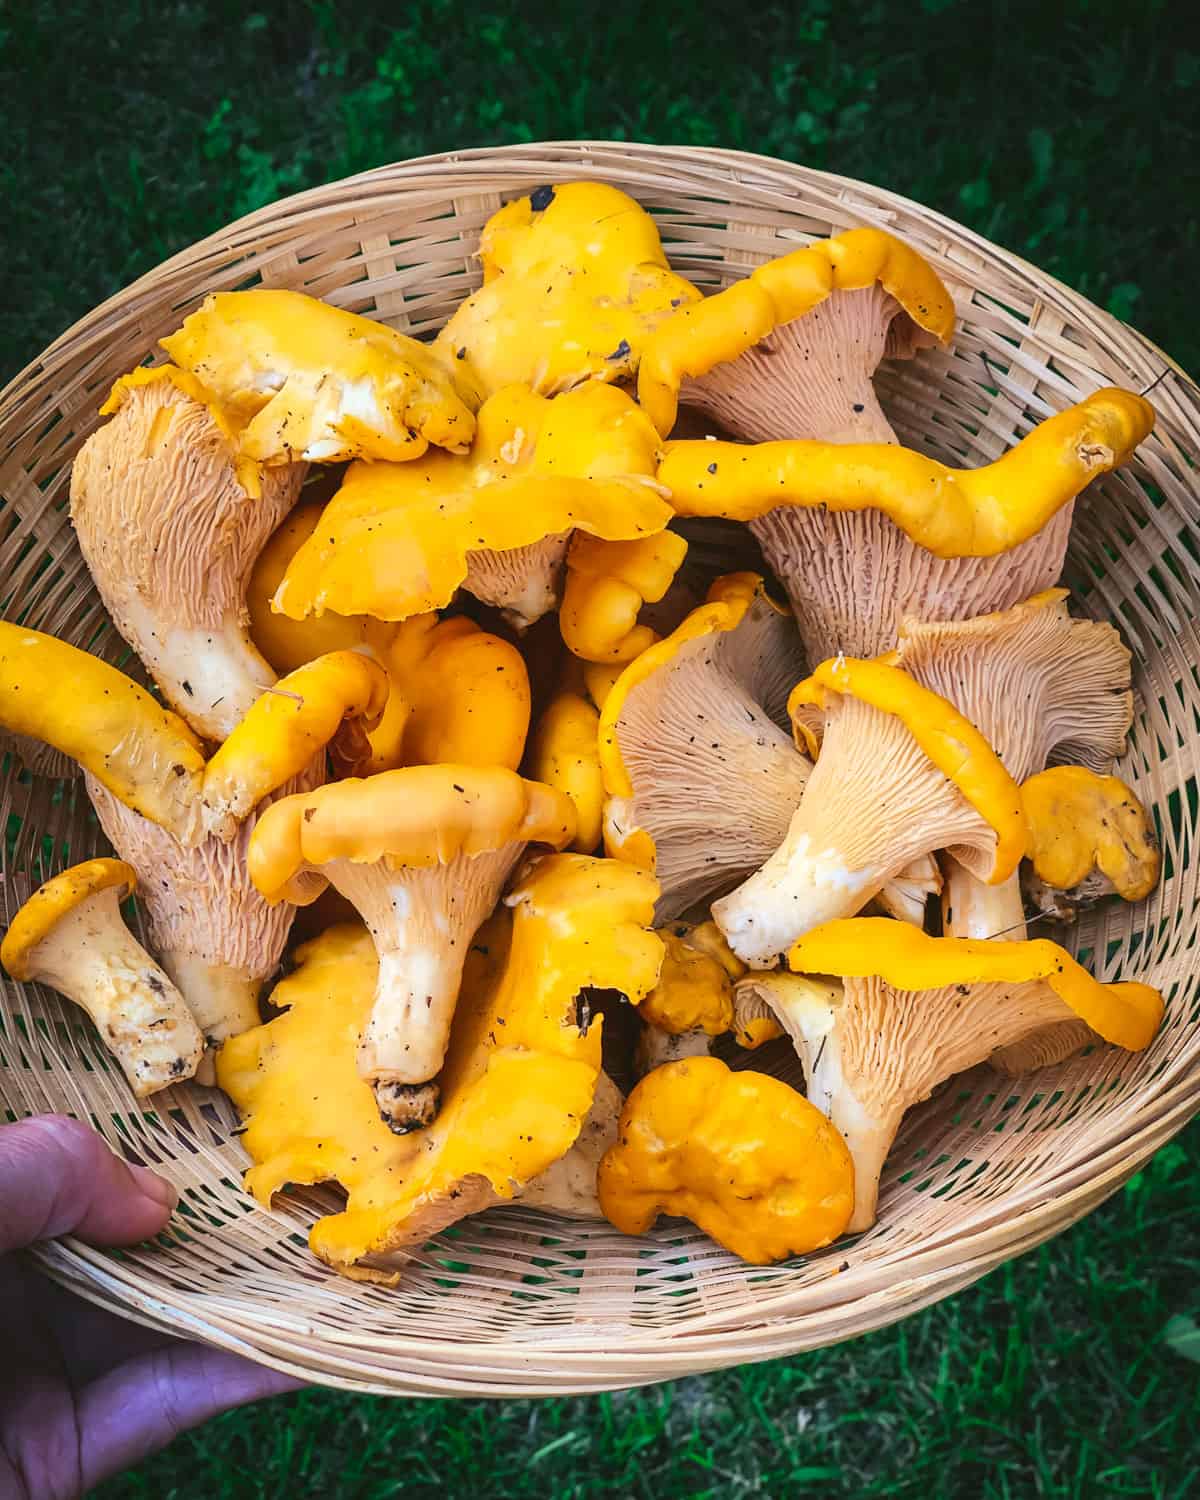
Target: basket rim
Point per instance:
(922, 1280)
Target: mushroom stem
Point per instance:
(421, 920)
(212, 675)
(972, 909)
(222, 997)
(657, 1046)
(90, 956)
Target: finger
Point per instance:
(142, 1405)
(57, 1176)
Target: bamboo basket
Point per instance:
(519, 1302)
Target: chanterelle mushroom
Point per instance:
(895, 780)
(399, 539)
(303, 379)
(911, 1010)
(457, 693)
(574, 282)
(692, 1001)
(863, 534)
(214, 934)
(521, 1075)
(422, 853)
(789, 352)
(695, 763)
(745, 1157)
(568, 1185)
(87, 710)
(70, 935)
(565, 753)
(901, 773)
(169, 533)
(1089, 837)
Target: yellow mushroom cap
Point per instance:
(574, 282)
(1080, 822)
(51, 902)
(1126, 1014)
(950, 741)
(418, 816)
(725, 325)
(308, 380)
(742, 1155)
(565, 754)
(518, 1081)
(398, 539)
(607, 585)
(694, 989)
(950, 512)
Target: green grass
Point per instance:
(1068, 133)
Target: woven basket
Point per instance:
(518, 1302)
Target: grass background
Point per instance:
(1066, 131)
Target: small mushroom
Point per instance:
(399, 539)
(70, 935)
(303, 379)
(607, 585)
(565, 753)
(457, 693)
(789, 352)
(863, 534)
(169, 525)
(574, 282)
(422, 854)
(692, 1002)
(742, 1155)
(907, 1010)
(901, 772)
(521, 1080)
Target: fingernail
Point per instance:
(156, 1187)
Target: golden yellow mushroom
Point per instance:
(70, 935)
(574, 283)
(521, 1074)
(745, 1157)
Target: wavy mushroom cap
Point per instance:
(399, 539)
(607, 586)
(789, 351)
(695, 985)
(520, 1077)
(1090, 833)
(565, 753)
(742, 1155)
(57, 898)
(908, 1011)
(574, 283)
(308, 380)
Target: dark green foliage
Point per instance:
(1068, 133)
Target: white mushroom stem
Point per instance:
(524, 583)
(973, 909)
(870, 1052)
(217, 937)
(906, 897)
(91, 957)
(422, 920)
(170, 536)
(852, 575)
(810, 378)
(872, 805)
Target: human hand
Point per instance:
(83, 1393)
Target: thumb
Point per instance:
(57, 1176)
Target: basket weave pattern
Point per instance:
(520, 1301)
